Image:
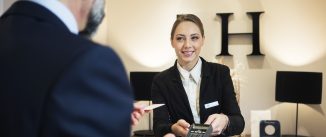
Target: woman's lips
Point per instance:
(187, 53)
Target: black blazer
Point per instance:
(216, 85)
(54, 83)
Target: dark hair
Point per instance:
(187, 17)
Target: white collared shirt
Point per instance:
(61, 11)
(191, 82)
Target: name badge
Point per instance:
(212, 104)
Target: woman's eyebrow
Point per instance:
(195, 34)
(181, 35)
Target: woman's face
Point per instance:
(187, 42)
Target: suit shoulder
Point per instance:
(165, 74)
(90, 54)
(93, 47)
(102, 49)
(217, 66)
(100, 53)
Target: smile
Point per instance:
(187, 53)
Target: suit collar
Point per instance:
(205, 72)
(38, 12)
(61, 11)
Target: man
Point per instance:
(54, 82)
(94, 20)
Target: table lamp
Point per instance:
(298, 87)
(141, 83)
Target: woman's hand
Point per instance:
(169, 135)
(180, 128)
(219, 123)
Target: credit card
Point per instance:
(153, 106)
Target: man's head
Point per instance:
(95, 18)
(88, 14)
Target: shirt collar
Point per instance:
(61, 11)
(195, 72)
(184, 73)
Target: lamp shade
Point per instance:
(299, 87)
(141, 83)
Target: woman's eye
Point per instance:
(179, 38)
(194, 38)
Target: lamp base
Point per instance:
(144, 133)
(293, 136)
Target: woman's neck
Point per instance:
(188, 65)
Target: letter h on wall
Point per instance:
(255, 33)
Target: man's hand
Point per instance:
(137, 113)
(219, 123)
(180, 128)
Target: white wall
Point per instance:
(5, 4)
(1, 7)
(292, 38)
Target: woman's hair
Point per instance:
(187, 17)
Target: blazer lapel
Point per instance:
(205, 74)
(204, 77)
(178, 87)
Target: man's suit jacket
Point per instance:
(216, 86)
(55, 83)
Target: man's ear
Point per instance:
(83, 12)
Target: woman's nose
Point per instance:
(187, 43)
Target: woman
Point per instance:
(193, 90)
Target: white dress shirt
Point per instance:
(61, 11)
(191, 83)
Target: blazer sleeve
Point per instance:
(162, 123)
(92, 98)
(231, 107)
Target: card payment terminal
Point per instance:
(200, 130)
